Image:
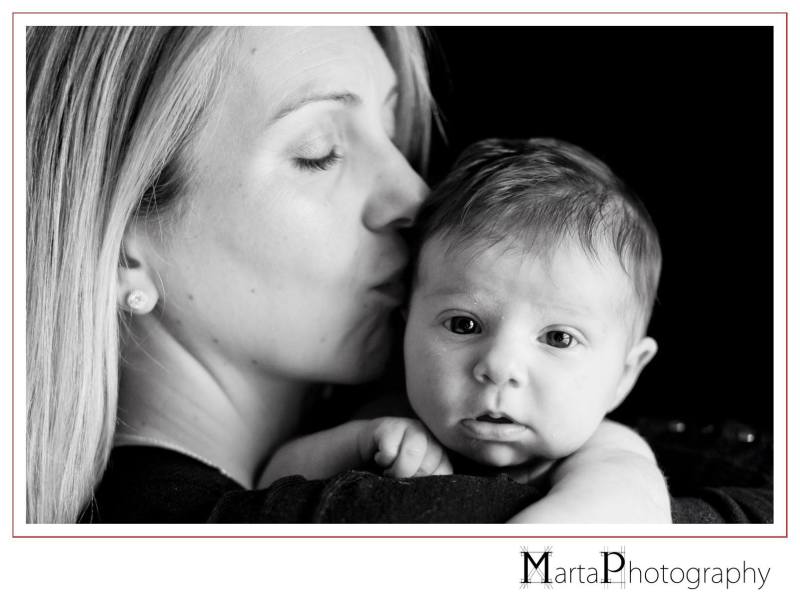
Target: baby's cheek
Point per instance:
(567, 426)
(431, 393)
(421, 381)
(574, 438)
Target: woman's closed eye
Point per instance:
(559, 339)
(321, 163)
(463, 325)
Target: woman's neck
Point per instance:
(232, 417)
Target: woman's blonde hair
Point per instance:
(110, 111)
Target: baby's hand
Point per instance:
(404, 447)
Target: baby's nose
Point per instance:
(501, 368)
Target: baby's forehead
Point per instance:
(497, 257)
(564, 268)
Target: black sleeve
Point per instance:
(709, 484)
(360, 497)
(156, 485)
(724, 505)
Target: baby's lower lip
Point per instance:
(493, 432)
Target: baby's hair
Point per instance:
(536, 193)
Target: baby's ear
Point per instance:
(639, 355)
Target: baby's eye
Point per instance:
(559, 339)
(463, 325)
(321, 163)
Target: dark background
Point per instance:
(684, 116)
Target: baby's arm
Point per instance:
(403, 447)
(613, 478)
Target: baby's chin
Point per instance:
(496, 454)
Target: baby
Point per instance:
(534, 281)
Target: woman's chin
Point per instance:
(369, 360)
(357, 368)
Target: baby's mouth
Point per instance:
(493, 427)
(489, 418)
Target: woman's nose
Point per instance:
(502, 365)
(397, 192)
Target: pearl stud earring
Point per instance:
(136, 300)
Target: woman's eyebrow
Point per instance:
(345, 98)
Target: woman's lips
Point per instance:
(494, 428)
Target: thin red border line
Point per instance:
(393, 13)
(492, 537)
(786, 190)
(786, 264)
(13, 494)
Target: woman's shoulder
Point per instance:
(148, 484)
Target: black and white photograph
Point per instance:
(399, 274)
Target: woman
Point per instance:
(214, 229)
(214, 221)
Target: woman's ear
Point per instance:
(137, 292)
(638, 356)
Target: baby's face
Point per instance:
(511, 356)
